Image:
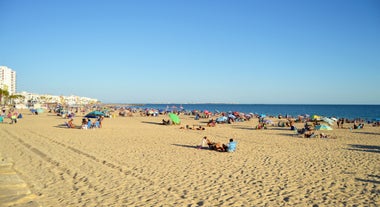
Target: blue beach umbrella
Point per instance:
(94, 114)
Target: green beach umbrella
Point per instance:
(175, 119)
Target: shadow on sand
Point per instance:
(364, 148)
(371, 180)
(190, 146)
(370, 133)
(150, 122)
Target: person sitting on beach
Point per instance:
(203, 143)
(211, 123)
(168, 122)
(308, 127)
(89, 124)
(359, 126)
(231, 146)
(301, 131)
(71, 124)
(323, 135)
(100, 120)
(84, 123)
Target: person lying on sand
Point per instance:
(215, 145)
(323, 135)
(309, 134)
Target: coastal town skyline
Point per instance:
(244, 52)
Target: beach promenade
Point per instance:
(136, 161)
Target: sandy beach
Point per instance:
(136, 161)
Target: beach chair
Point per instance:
(1, 119)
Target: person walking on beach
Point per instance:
(338, 122)
(342, 122)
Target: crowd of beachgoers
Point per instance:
(215, 117)
(310, 128)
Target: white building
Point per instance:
(32, 98)
(8, 79)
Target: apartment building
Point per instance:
(8, 79)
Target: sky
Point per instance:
(195, 51)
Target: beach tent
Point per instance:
(175, 119)
(322, 127)
(94, 114)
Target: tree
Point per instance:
(3, 94)
(13, 98)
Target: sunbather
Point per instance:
(71, 124)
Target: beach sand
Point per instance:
(136, 161)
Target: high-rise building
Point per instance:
(8, 79)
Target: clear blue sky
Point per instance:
(181, 51)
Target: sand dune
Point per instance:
(135, 161)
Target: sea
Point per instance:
(365, 112)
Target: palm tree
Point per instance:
(3, 94)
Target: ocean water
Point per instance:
(367, 112)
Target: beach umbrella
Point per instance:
(323, 127)
(328, 121)
(315, 117)
(94, 114)
(175, 119)
(263, 115)
(231, 116)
